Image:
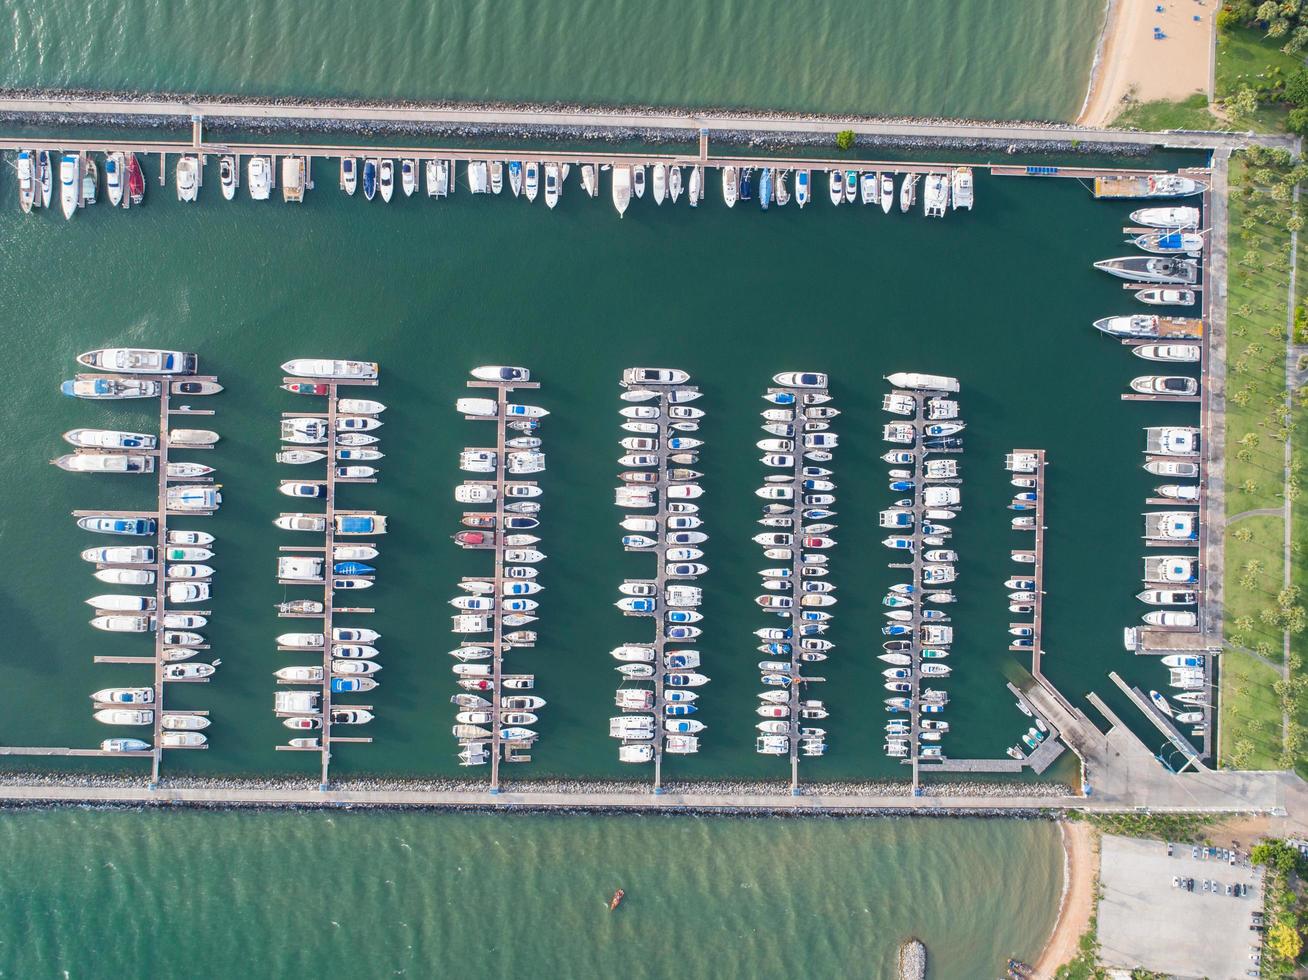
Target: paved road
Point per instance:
(617, 119)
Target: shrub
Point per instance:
(845, 139)
(1296, 87)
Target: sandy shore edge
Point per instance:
(1076, 907)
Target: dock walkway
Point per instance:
(497, 541)
(331, 481)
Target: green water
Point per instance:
(985, 58)
(102, 894)
(1001, 297)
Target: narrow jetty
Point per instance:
(1028, 465)
(659, 490)
(335, 520)
(499, 531)
(177, 495)
(928, 425)
(797, 492)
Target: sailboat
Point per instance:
(696, 186)
(908, 193)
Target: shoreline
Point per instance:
(1096, 66)
(1076, 905)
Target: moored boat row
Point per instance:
(798, 494)
(173, 570)
(340, 435)
(924, 438)
(496, 612)
(659, 498)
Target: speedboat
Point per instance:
(349, 175)
(1152, 384)
(70, 183)
(552, 187)
(409, 176)
(1172, 218)
(515, 177)
(188, 178)
(45, 177)
(674, 183)
(868, 188)
(115, 177)
(1180, 353)
(638, 180)
(660, 182)
(730, 186)
(532, 179)
(228, 175)
(370, 169)
(851, 185)
(888, 193)
(29, 190)
(386, 178)
(1166, 297)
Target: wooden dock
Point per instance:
(496, 541)
(917, 598)
(159, 514)
(667, 396)
(327, 550)
(795, 615)
(1035, 471)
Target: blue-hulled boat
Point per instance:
(139, 526)
(765, 189)
(352, 568)
(369, 178)
(677, 710)
(746, 183)
(346, 685)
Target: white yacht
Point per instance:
(386, 179)
(409, 176)
(188, 178)
(349, 175)
(962, 188)
(115, 177)
(309, 367)
(532, 180)
(229, 175)
(621, 189)
(258, 174)
(70, 183)
(730, 185)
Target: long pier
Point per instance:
(194, 111)
(497, 541)
(918, 421)
(667, 396)
(800, 571)
(1030, 464)
(159, 567)
(331, 480)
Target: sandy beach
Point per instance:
(1132, 64)
(1081, 844)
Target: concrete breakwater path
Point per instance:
(598, 119)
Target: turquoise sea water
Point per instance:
(115, 894)
(983, 58)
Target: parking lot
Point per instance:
(1144, 921)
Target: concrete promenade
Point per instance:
(599, 118)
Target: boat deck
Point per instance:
(328, 616)
(500, 749)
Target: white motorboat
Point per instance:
(125, 716)
(1169, 218)
(1160, 296)
(188, 178)
(532, 179)
(621, 177)
(638, 180)
(229, 175)
(349, 175)
(730, 186)
(308, 367)
(1180, 353)
(409, 176)
(139, 360)
(386, 178)
(1175, 385)
(660, 182)
(70, 183)
(923, 382)
(674, 183)
(552, 185)
(295, 178)
(29, 190)
(696, 186)
(961, 187)
(908, 193)
(259, 177)
(115, 177)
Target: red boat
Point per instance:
(616, 900)
(470, 539)
(305, 388)
(135, 180)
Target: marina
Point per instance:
(576, 735)
(331, 437)
(799, 500)
(659, 497)
(491, 723)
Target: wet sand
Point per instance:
(1081, 844)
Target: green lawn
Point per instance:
(1251, 713)
(1246, 57)
(1244, 603)
(1191, 113)
(1257, 306)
